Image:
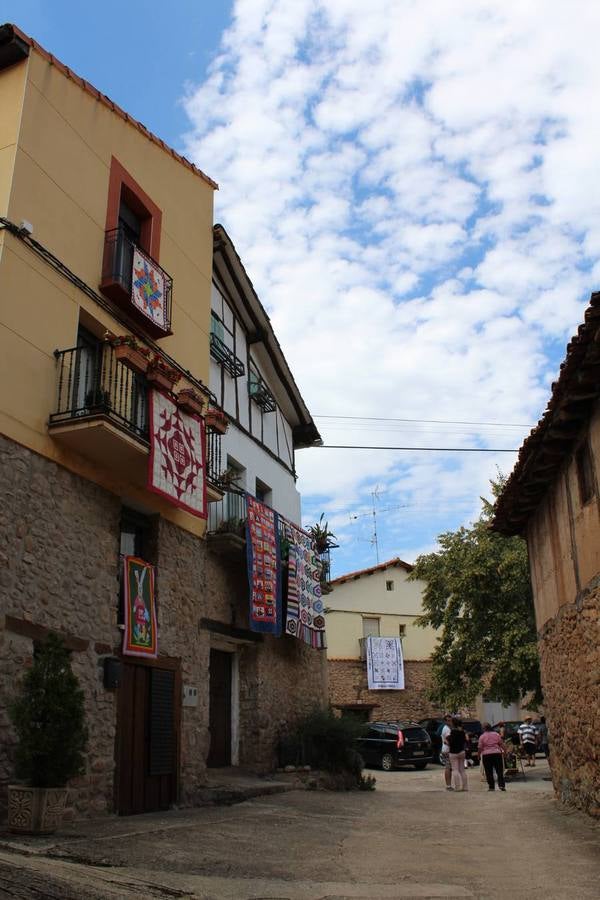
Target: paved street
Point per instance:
(409, 838)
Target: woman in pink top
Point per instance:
(491, 749)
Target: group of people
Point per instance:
(492, 751)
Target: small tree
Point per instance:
(49, 719)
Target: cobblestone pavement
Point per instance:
(409, 838)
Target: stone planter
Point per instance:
(216, 420)
(132, 358)
(35, 810)
(190, 402)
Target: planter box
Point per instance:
(190, 402)
(35, 810)
(216, 421)
(132, 358)
(159, 379)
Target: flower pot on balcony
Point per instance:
(161, 375)
(191, 402)
(217, 420)
(34, 810)
(133, 358)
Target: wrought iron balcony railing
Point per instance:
(214, 469)
(228, 516)
(92, 383)
(136, 282)
(261, 395)
(225, 356)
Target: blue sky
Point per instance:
(413, 190)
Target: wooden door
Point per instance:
(147, 737)
(219, 715)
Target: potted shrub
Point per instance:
(131, 354)
(162, 375)
(49, 719)
(323, 538)
(217, 420)
(191, 401)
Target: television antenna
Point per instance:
(374, 539)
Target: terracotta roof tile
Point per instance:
(554, 437)
(353, 576)
(102, 98)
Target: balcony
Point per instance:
(215, 489)
(102, 410)
(260, 393)
(225, 357)
(227, 523)
(136, 283)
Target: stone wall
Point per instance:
(59, 570)
(348, 686)
(570, 665)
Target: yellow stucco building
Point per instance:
(107, 442)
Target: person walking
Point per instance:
(528, 738)
(445, 752)
(456, 742)
(491, 749)
(542, 730)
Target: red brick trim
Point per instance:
(122, 184)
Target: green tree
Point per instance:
(49, 719)
(478, 593)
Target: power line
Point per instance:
(420, 449)
(428, 421)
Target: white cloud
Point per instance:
(411, 187)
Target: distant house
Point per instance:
(378, 601)
(552, 498)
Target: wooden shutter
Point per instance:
(162, 730)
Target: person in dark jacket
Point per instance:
(457, 740)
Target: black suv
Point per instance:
(394, 744)
(433, 727)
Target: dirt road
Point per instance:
(410, 838)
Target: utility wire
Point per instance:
(428, 421)
(420, 449)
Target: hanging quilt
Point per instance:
(148, 289)
(385, 666)
(264, 567)
(139, 637)
(177, 453)
(304, 615)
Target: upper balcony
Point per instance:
(225, 357)
(136, 283)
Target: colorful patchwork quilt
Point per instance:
(304, 616)
(264, 567)
(148, 290)
(177, 453)
(385, 666)
(139, 637)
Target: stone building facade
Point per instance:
(552, 498)
(77, 441)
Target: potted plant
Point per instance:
(162, 375)
(49, 719)
(97, 400)
(191, 401)
(217, 420)
(323, 538)
(130, 353)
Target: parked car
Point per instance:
(433, 727)
(394, 744)
(474, 730)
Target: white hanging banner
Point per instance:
(385, 666)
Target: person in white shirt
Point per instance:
(528, 738)
(445, 751)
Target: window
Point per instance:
(389, 585)
(585, 472)
(135, 540)
(216, 327)
(370, 627)
(402, 630)
(263, 492)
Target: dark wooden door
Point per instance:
(147, 738)
(219, 716)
